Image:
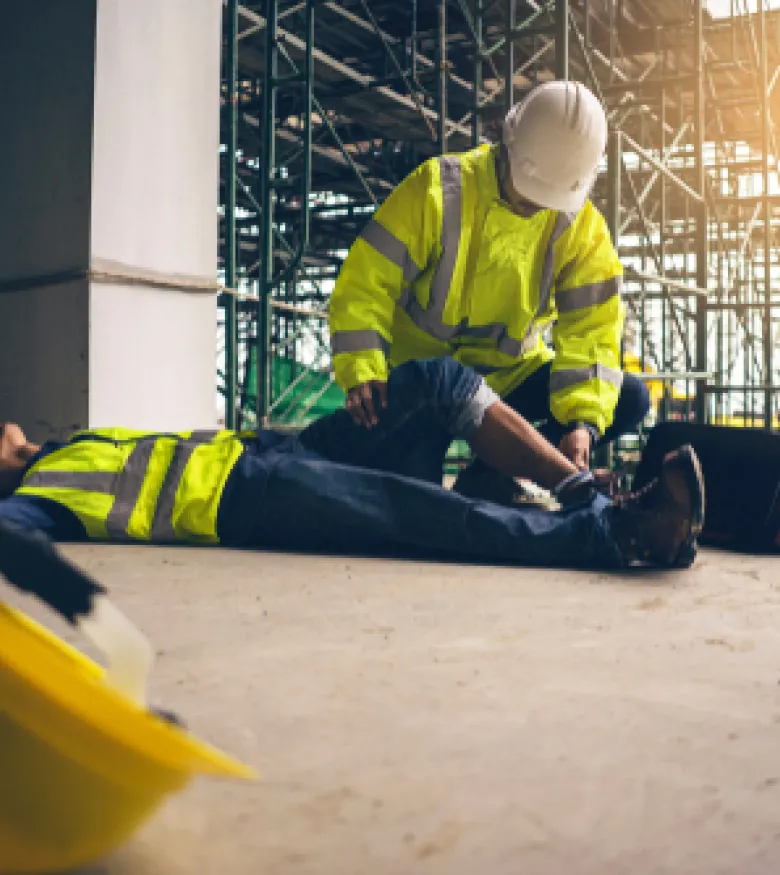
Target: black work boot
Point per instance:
(659, 524)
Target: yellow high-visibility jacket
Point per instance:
(446, 268)
(135, 486)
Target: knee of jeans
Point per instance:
(449, 383)
(431, 377)
(412, 380)
(439, 385)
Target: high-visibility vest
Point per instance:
(134, 486)
(444, 267)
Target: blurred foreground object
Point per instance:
(84, 761)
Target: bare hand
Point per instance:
(360, 402)
(576, 447)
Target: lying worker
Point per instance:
(475, 255)
(341, 487)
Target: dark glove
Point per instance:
(30, 562)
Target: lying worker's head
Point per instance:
(554, 140)
(15, 452)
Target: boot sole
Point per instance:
(695, 482)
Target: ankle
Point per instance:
(575, 488)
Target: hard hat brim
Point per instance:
(545, 195)
(84, 765)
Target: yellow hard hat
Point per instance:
(83, 761)
(82, 764)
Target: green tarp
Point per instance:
(313, 395)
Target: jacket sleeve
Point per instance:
(40, 514)
(392, 251)
(586, 378)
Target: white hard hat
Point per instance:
(555, 138)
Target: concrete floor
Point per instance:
(440, 719)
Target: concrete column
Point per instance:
(108, 216)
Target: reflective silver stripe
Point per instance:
(357, 341)
(125, 486)
(393, 249)
(430, 319)
(404, 300)
(88, 481)
(162, 524)
(562, 222)
(449, 170)
(563, 379)
(496, 331)
(128, 487)
(590, 295)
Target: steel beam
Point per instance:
(642, 196)
(702, 251)
(659, 165)
(562, 39)
(350, 73)
(509, 55)
(476, 124)
(614, 167)
(441, 78)
(764, 86)
(268, 163)
(365, 25)
(668, 282)
(231, 316)
(671, 376)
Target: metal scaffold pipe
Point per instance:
(509, 63)
(561, 39)
(263, 363)
(702, 252)
(441, 78)
(614, 166)
(268, 279)
(476, 130)
(767, 227)
(231, 324)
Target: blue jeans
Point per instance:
(429, 405)
(343, 488)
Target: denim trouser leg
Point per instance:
(429, 403)
(304, 503)
(342, 489)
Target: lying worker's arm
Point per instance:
(586, 378)
(40, 514)
(393, 249)
(30, 562)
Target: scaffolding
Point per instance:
(328, 105)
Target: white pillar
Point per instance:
(109, 142)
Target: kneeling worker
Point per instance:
(341, 487)
(476, 255)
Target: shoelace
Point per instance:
(639, 496)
